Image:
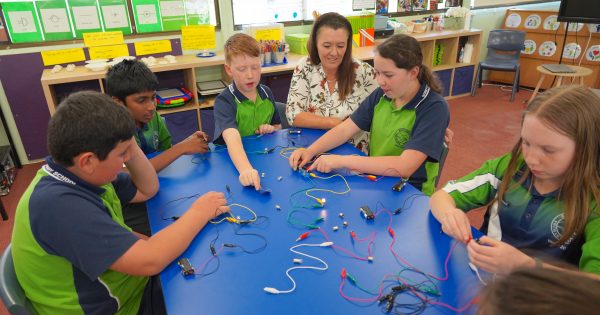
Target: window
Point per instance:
(50, 20)
(301, 10)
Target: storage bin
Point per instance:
(297, 43)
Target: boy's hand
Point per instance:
(495, 256)
(327, 163)
(456, 224)
(265, 129)
(195, 143)
(300, 157)
(250, 178)
(212, 202)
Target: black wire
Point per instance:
(173, 218)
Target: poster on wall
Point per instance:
(172, 14)
(21, 22)
(55, 21)
(147, 16)
(115, 16)
(85, 16)
(197, 12)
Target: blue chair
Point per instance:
(11, 293)
(504, 49)
(282, 116)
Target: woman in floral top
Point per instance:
(329, 84)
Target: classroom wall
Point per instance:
(485, 19)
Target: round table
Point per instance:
(580, 72)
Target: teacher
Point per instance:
(329, 84)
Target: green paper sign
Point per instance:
(85, 15)
(54, 19)
(115, 16)
(22, 22)
(147, 16)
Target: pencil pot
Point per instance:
(267, 59)
(277, 56)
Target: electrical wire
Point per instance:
(287, 272)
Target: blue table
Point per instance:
(236, 287)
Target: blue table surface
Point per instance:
(236, 287)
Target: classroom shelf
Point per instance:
(182, 73)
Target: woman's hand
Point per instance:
(497, 257)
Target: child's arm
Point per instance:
(235, 148)
(142, 173)
(149, 257)
(195, 143)
(454, 221)
(331, 139)
(403, 166)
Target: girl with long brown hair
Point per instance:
(542, 197)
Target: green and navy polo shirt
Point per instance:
(234, 110)
(419, 125)
(67, 234)
(526, 219)
(154, 135)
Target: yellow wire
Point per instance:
(231, 218)
(327, 190)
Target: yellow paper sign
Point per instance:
(103, 38)
(272, 34)
(198, 37)
(55, 57)
(152, 47)
(105, 52)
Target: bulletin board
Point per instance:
(49, 20)
(544, 37)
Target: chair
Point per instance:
(11, 293)
(442, 160)
(504, 49)
(281, 109)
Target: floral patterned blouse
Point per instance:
(309, 93)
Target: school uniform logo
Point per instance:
(401, 136)
(556, 226)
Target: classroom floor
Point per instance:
(484, 126)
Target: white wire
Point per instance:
(287, 272)
(476, 270)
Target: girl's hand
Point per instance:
(300, 157)
(264, 129)
(327, 163)
(497, 257)
(456, 224)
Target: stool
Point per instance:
(580, 72)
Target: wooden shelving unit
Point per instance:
(454, 76)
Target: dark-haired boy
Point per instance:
(134, 85)
(72, 252)
(246, 107)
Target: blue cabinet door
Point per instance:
(181, 124)
(463, 80)
(445, 77)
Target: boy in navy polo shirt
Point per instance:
(246, 107)
(134, 85)
(406, 115)
(72, 252)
